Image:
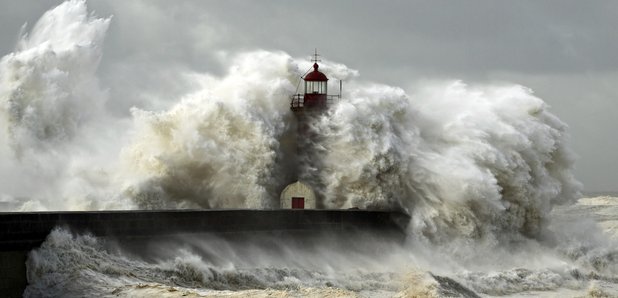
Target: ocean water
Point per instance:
(360, 266)
(484, 171)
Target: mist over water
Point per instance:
(479, 168)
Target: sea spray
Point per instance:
(464, 161)
(220, 147)
(469, 161)
(48, 85)
(55, 132)
(230, 145)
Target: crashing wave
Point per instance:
(48, 85)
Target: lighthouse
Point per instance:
(315, 98)
(308, 107)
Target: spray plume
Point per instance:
(470, 161)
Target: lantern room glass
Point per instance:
(315, 87)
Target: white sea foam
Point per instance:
(598, 201)
(69, 265)
(358, 266)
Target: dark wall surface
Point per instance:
(26, 230)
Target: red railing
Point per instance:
(298, 100)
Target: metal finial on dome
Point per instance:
(315, 57)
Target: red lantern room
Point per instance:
(316, 86)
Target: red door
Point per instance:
(298, 203)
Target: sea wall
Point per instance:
(22, 231)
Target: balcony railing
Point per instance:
(298, 100)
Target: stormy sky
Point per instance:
(566, 51)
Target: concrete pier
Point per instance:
(22, 231)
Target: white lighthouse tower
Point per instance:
(307, 107)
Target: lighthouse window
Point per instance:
(315, 87)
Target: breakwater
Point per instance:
(22, 231)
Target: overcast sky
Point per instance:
(566, 51)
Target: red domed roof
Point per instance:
(316, 75)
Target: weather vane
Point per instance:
(315, 56)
